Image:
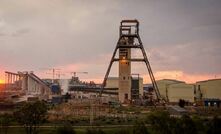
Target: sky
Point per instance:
(182, 38)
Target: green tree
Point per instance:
(31, 115)
(140, 128)
(5, 121)
(123, 131)
(214, 126)
(175, 126)
(160, 122)
(188, 125)
(66, 129)
(95, 131)
(200, 125)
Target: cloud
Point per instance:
(177, 35)
(180, 75)
(191, 58)
(9, 30)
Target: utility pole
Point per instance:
(91, 112)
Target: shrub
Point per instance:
(140, 128)
(66, 129)
(95, 131)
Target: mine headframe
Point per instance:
(129, 38)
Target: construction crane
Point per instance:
(59, 74)
(53, 72)
(75, 73)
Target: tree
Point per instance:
(183, 125)
(66, 129)
(200, 124)
(188, 126)
(31, 115)
(214, 126)
(5, 121)
(95, 131)
(175, 126)
(123, 131)
(160, 122)
(140, 128)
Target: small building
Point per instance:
(136, 86)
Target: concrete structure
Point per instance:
(28, 83)
(209, 89)
(124, 93)
(33, 85)
(183, 91)
(112, 82)
(135, 91)
(163, 86)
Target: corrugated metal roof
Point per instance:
(171, 80)
(208, 80)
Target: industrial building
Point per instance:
(163, 86)
(209, 89)
(112, 82)
(209, 92)
(136, 89)
(183, 91)
(34, 85)
(28, 84)
(174, 90)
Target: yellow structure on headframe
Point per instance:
(124, 92)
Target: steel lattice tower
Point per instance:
(130, 39)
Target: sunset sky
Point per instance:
(182, 38)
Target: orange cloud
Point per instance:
(180, 75)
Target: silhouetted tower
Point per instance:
(129, 39)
